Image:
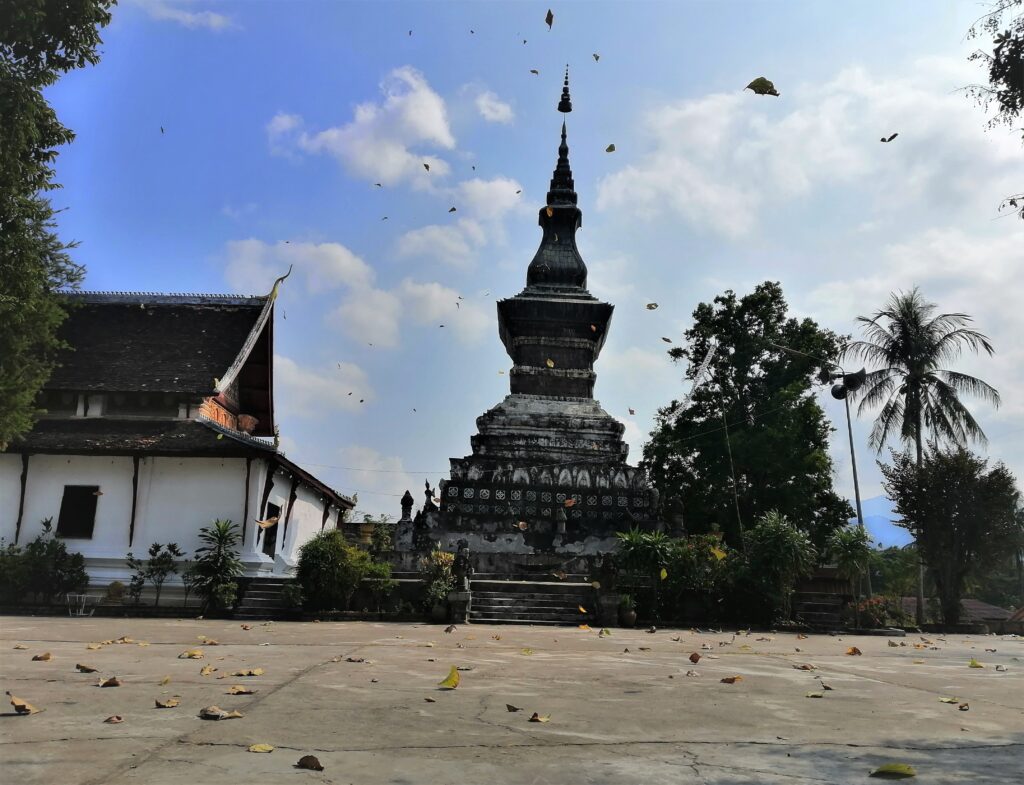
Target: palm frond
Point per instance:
(962, 427)
(889, 419)
(951, 344)
(971, 385)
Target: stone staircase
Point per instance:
(818, 609)
(262, 600)
(530, 599)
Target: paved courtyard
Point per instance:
(364, 699)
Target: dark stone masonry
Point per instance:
(547, 484)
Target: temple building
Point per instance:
(159, 420)
(547, 484)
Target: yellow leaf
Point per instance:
(44, 657)
(124, 639)
(853, 651)
(165, 680)
(604, 633)
(719, 554)
(540, 717)
(582, 609)
(919, 662)
(894, 771)
(584, 626)
(815, 695)
(949, 700)
(143, 643)
(526, 651)
(972, 664)
(664, 573)
(261, 748)
(113, 681)
(21, 706)
(596, 584)
(238, 689)
(170, 703)
(191, 654)
(206, 670)
(20, 646)
(550, 363)
(549, 211)
(86, 668)
(452, 680)
(92, 646)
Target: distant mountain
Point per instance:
(879, 518)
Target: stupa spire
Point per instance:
(557, 261)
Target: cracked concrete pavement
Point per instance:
(616, 716)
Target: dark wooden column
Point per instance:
(267, 485)
(21, 498)
(135, 498)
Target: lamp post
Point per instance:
(845, 383)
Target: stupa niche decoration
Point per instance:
(548, 471)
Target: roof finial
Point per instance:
(565, 105)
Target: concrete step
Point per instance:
(263, 594)
(525, 616)
(542, 577)
(260, 602)
(518, 587)
(504, 620)
(527, 601)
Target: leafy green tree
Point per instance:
(963, 514)
(777, 555)
(330, 570)
(1005, 67)
(217, 565)
(755, 414)
(49, 568)
(161, 564)
(39, 41)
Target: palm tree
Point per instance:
(917, 394)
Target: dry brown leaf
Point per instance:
(964, 707)
(246, 626)
(731, 679)
(309, 762)
(550, 212)
(191, 654)
(261, 748)
(695, 658)
(853, 651)
(124, 639)
(206, 670)
(217, 713)
(86, 668)
(113, 719)
(610, 148)
(450, 628)
(801, 637)
(44, 657)
(238, 689)
(20, 646)
(511, 708)
(94, 646)
(549, 19)
(806, 667)
(111, 681)
(495, 637)
(250, 672)
(22, 706)
(540, 717)
(170, 703)
(165, 680)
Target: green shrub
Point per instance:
(217, 565)
(380, 584)
(777, 554)
(115, 593)
(291, 594)
(438, 577)
(13, 574)
(696, 574)
(330, 570)
(49, 568)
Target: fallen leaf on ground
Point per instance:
(584, 626)
(464, 668)
(309, 762)
(495, 637)
(731, 679)
(964, 707)
(651, 630)
(452, 680)
(1001, 668)
(238, 689)
(91, 646)
(124, 639)
(251, 672)
(20, 646)
(815, 695)
(261, 748)
(143, 643)
(692, 673)
(430, 700)
(86, 668)
(535, 717)
(206, 670)
(526, 651)
(918, 662)
(510, 707)
(22, 706)
(801, 637)
(191, 654)
(113, 719)
(112, 681)
(170, 703)
(604, 633)
(450, 628)
(949, 700)
(972, 664)
(695, 658)
(894, 771)
(806, 667)
(853, 651)
(217, 713)
(246, 626)
(165, 680)
(44, 657)
(826, 687)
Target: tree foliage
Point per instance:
(217, 565)
(777, 432)
(1004, 24)
(910, 344)
(963, 514)
(39, 41)
(330, 570)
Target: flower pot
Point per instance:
(439, 613)
(627, 618)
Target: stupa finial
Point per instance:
(565, 105)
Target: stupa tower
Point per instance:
(548, 460)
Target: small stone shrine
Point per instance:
(547, 484)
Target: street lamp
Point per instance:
(844, 384)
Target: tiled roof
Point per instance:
(142, 342)
(971, 610)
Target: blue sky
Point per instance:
(280, 117)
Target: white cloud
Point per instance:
(379, 143)
(369, 316)
(239, 212)
(721, 160)
(252, 265)
(378, 476)
(302, 392)
(434, 304)
(171, 11)
(451, 245)
(493, 109)
(489, 200)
